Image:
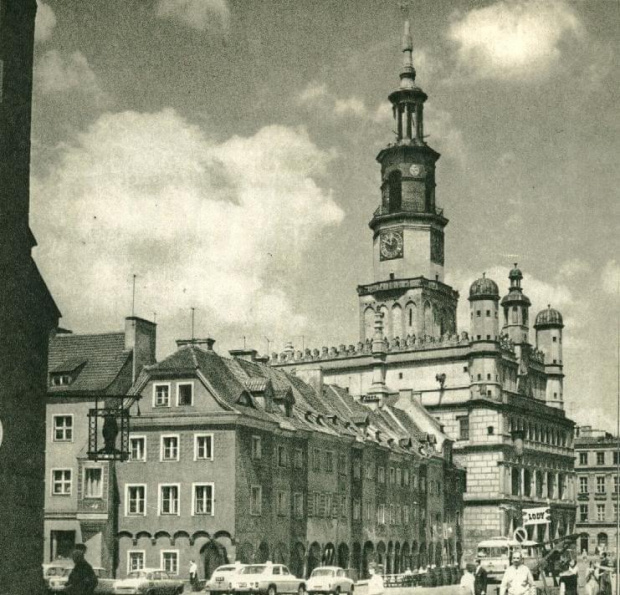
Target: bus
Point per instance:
(496, 554)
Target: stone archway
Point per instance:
(329, 555)
(368, 558)
(380, 557)
(314, 557)
(213, 554)
(357, 560)
(262, 553)
(298, 555)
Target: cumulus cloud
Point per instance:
(513, 38)
(45, 22)
(203, 15)
(56, 75)
(610, 277)
(204, 224)
(574, 267)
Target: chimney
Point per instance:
(249, 355)
(207, 343)
(312, 375)
(140, 338)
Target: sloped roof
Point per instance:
(101, 357)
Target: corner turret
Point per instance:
(549, 325)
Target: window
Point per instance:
(170, 561)
(392, 515)
(63, 428)
(600, 484)
(615, 484)
(392, 475)
(406, 514)
(282, 503)
(583, 458)
(256, 500)
(93, 487)
(281, 456)
(583, 512)
(368, 511)
(257, 448)
(463, 427)
(298, 505)
(370, 471)
(135, 499)
(329, 461)
(357, 510)
(316, 459)
(185, 393)
(406, 477)
(137, 448)
(61, 482)
(600, 512)
(342, 464)
(299, 458)
(203, 498)
(583, 485)
(600, 458)
(135, 560)
(170, 448)
(615, 511)
(329, 505)
(381, 514)
(399, 476)
(169, 499)
(161, 395)
(615, 457)
(381, 474)
(478, 313)
(203, 447)
(488, 313)
(357, 469)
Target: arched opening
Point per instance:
(602, 542)
(389, 562)
(397, 566)
(262, 554)
(395, 192)
(329, 554)
(343, 556)
(410, 314)
(584, 544)
(298, 554)
(397, 321)
(369, 323)
(415, 556)
(368, 558)
(314, 557)
(387, 321)
(422, 557)
(213, 555)
(438, 561)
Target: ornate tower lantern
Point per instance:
(108, 428)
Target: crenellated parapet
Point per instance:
(364, 348)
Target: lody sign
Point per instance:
(536, 516)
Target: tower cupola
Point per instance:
(484, 309)
(549, 325)
(516, 309)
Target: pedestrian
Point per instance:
(592, 587)
(568, 580)
(518, 579)
(468, 580)
(604, 579)
(193, 575)
(82, 579)
(481, 577)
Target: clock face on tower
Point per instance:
(391, 244)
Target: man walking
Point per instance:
(518, 579)
(193, 575)
(481, 578)
(82, 580)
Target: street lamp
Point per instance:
(517, 442)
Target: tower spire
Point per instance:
(407, 74)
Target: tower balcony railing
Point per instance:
(383, 210)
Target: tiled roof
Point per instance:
(102, 358)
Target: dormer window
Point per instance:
(66, 372)
(60, 379)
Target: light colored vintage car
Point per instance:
(151, 581)
(57, 583)
(221, 577)
(329, 579)
(267, 578)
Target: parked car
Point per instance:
(329, 579)
(221, 577)
(56, 569)
(152, 581)
(57, 583)
(267, 578)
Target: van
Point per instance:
(496, 554)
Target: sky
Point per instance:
(224, 152)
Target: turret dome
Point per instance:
(549, 317)
(484, 288)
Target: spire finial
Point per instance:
(407, 74)
(484, 275)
